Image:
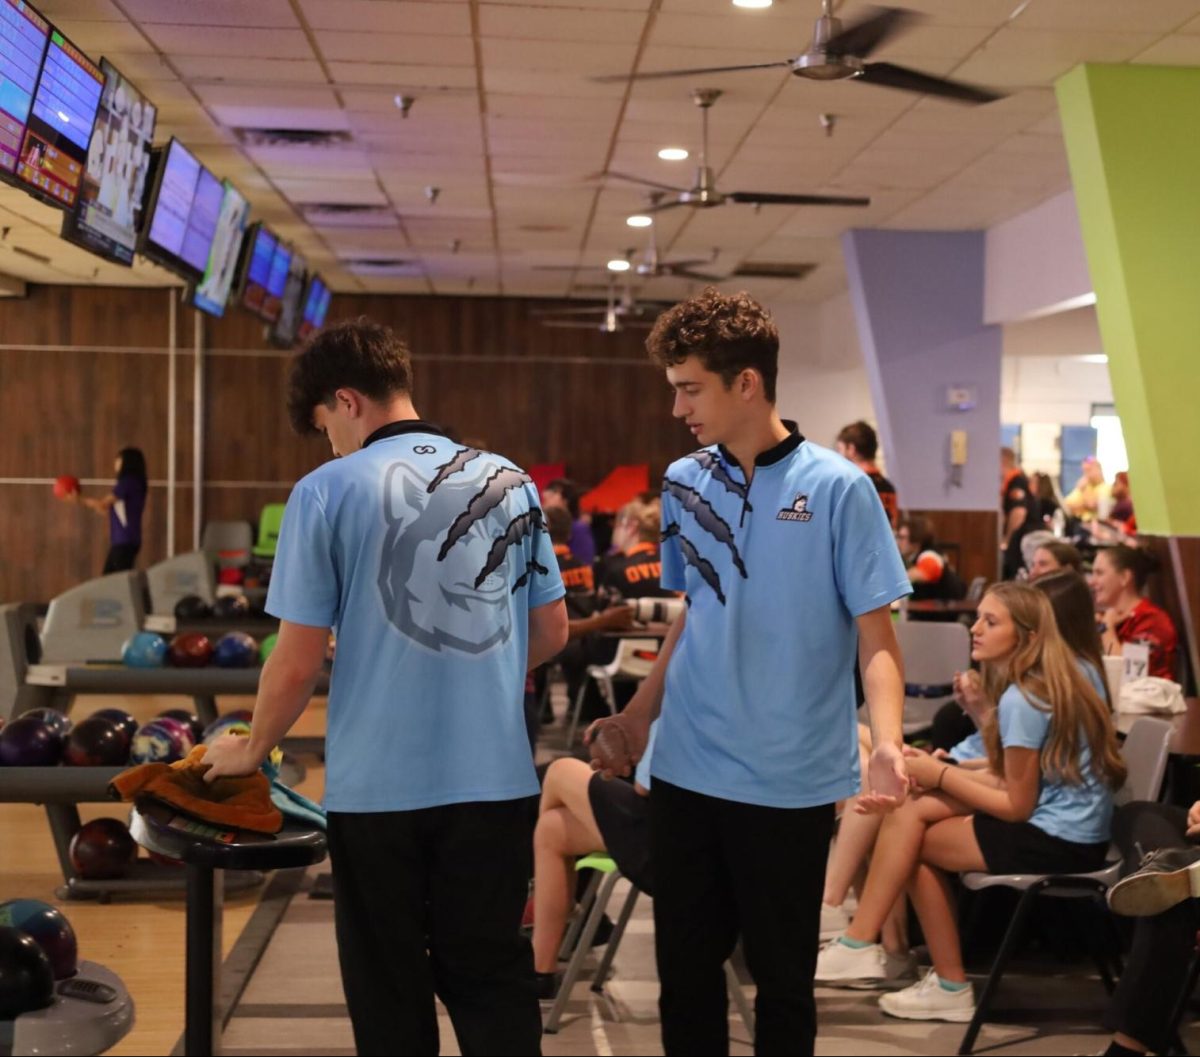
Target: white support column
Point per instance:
(172, 400)
(198, 431)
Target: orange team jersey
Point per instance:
(575, 575)
(635, 573)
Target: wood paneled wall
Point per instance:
(977, 535)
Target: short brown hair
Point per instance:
(1066, 554)
(355, 354)
(920, 531)
(558, 524)
(726, 333)
(863, 437)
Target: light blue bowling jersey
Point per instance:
(426, 557)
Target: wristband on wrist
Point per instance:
(942, 776)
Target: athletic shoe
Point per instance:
(929, 1000)
(839, 965)
(1166, 877)
(899, 970)
(834, 921)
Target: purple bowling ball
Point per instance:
(188, 719)
(122, 719)
(30, 742)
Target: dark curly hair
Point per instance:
(726, 333)
(355, 354)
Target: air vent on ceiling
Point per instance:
(772, 270)
(348, 215)
(383, 267)
(292, 137)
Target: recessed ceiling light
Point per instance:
(618, 264)
(672, 154)
(639, 221)
(752, 3)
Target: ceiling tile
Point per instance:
(245, 43)
(352, 46)
(400, 16)
(271, 14)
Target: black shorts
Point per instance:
(1020, 847)
(623, 818)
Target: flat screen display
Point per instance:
(23, 36)
(277, 279)
(171, 203)
(257, 256)
(288, 324)
(212, 292)
(202, 221)
(108, 216)
(316, 307)
(55, 148)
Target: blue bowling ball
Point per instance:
(235, 650)
(157, 742)
(144, 650)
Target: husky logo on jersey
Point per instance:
(443, 578)
(798, 511)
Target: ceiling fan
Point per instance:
(704, 194)
(837, 52)
(618, 314)
(652, 266)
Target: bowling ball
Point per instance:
(188, 719)
(190, 650)
(231, 576)
(49, 928)
(267, 647)
(65, 485)
(26, 979)
(97, 742)
(30, 742)
(192, 607)
(156, 742)
(234, 723)
(610, 748)
(235, 650)
(103, 850)
(182, 730)
(52, 717)
(144, 650)
(231, 607)
(121, 718)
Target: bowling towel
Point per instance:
(238, 803)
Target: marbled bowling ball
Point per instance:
(157, 743)
(235, 650)
(103, 850)
(190, 650)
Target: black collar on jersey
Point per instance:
(408, 425)
(772, 455)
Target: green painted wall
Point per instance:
(1133, 142)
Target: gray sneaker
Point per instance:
(1166, 877)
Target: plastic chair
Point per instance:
(577, 941)
(1145, 753)
(634, 659)
(932, 653)
(269, 523)
(975, 589)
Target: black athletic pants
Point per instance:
(429, 902)
(121, 556)
(1162, 945)
(721, 869)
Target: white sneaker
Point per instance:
(928, 1000)
(834, 921)
(838, 964)
(899, 970)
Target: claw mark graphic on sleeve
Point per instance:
(518, 529)
(706, 517)
(531, 567)
(461, 458)
(490, 496)
(714, 465)
(692, 556)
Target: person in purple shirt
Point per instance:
(564, 493)
(123, 507)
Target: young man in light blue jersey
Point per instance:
(431, 560)
(789, 566)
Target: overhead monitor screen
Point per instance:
(23, 36)
(277, 279)
(316, 307)
(55, 147)
(213, 290)
(259, 253)
(202, 221)
(288, 324)
(171, 202)
(108, 215)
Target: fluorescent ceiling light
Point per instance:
(1095, 357)
(672, 154)
(639, 221)
(752, 3)
(618, 265)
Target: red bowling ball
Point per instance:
(103, 850)
(190, 650)
(97, 742)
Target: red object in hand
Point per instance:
(610, 748)
(65, 485)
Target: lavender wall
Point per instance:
(918, 304)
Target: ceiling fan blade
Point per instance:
(553, 313)
(864, 36)
(766, 198)
(888, 75)
(700, 277)
(643, 181)
(567, 324)
(658, 207)
(659, 75)
(565, 268)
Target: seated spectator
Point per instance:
(564, 493)
(1044, 804)
(1053, 556)
(1118, 579)
(634, 570)
(928, 570)
(1041, 487)
(858, 443)
(1091, 498)
(1122, 508)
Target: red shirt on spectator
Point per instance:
(1152, 625)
